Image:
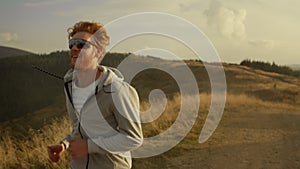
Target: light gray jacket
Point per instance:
(109, 120)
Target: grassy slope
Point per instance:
(259, 127)
(9, 52)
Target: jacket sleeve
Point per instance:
(74, 121)
(66, 139)
(129, 135)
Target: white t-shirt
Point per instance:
(80, 95)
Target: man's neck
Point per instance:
(87, 77)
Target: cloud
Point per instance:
(184, 7)
(8, 37)
(230, 23)
(269, 44)
(44, 3)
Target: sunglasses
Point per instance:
(80, 43)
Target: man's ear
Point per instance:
(99, 53)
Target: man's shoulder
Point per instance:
(68, 75)
(115, 82)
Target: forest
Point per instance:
(267, 66)
(25, 89)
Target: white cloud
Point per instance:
(185, 7)
(229, 22)
(8, 37)
(44, 3)
(268, 44)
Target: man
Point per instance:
(104, 109)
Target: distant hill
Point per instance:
(271, 67)
(26, 90)
(294, 66)
(261, 114)
(10, 52)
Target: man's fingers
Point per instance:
(50, 151)
(72, 152)
(54, 157)
(53, 153)
(74, 155)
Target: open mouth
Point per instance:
(74, 56)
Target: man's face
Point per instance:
(83, 57)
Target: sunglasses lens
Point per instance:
(71, 45)
(80, 43)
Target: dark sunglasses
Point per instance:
(80, 43)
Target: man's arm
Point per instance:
(129, 135)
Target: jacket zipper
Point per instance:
(79, 125)
(88, 155)
(79, 130)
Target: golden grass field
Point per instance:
(259, 129)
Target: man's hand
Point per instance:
(78, 147)
(55, 151)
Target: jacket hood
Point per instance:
(112, 74)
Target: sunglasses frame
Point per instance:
(80, 43)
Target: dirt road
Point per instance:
(257, 138)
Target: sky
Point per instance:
(238, 29)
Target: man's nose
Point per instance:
(74, 47)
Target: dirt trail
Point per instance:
(263, 138)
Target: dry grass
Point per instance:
(236, 101)
(30, 151)
(243, 100)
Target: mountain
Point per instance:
(259, 126)
(10, 52)
(27, 90)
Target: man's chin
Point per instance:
(72, 66)
(77, 67)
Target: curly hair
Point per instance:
(96, 29)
